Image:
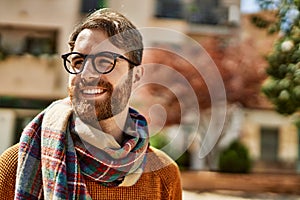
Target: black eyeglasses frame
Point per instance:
(93, 57)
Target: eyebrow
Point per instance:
(78, 56)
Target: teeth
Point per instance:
(92, 91)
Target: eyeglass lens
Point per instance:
(102, 62)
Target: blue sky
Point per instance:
(249, 6)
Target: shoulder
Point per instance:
(160, 163)
(9, 158)
(160, 157)
(164, 169)
(8, 170)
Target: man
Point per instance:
(92, 145)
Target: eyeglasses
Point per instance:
(103, 62)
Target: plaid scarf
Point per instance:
(53, 161)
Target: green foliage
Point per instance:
(183, 161)
(287, 12)
(3, 54)
(282, 85)
(160, 141)
(235, 159)
(260, 22)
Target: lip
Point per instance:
(92, 93)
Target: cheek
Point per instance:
(71, 85)
(118, 75)
(72, 79)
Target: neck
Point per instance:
(114, 125)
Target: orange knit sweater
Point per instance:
(161, 179)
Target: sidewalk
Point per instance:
(205, 185)
(236, 195)
(254, 183)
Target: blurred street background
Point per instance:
(221, 90)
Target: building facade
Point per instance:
(33, 35)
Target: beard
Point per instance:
(93, 111)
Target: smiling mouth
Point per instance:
(92, 93)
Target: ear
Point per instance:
(138, 73)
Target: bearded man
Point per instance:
(92, 144)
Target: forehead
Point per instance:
(91, 41)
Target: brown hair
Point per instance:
(121, 32)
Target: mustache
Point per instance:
(94, 82)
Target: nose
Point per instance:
(88, 73)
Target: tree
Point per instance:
(239, 60)
(282, 86)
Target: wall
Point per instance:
(62, 15)
(32, 77)
(287, 136)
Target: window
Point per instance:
(39, 45)
(169, 9)
(24, 103)
(193, 11)
(206, 12)
(90, 5)
(21, 40)
(269, 144)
